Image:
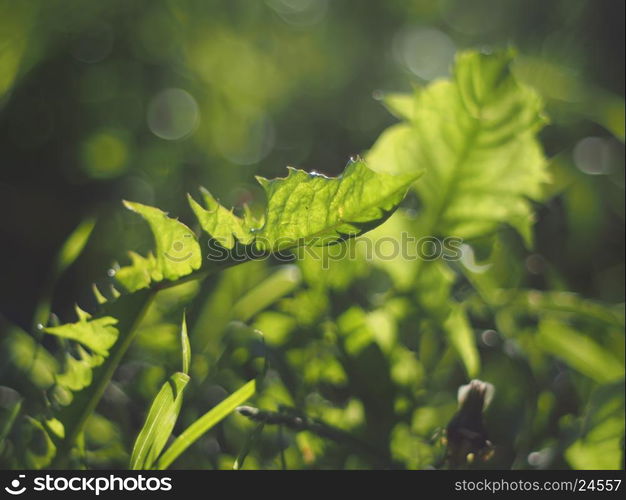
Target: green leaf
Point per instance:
(579, 351)
(129, 311)
(475, 136)
(97, 334)
(206, 422)
(311, 209)
(302, 209)
(308, 208)
(463, 340)
(185, 346)
(177, 249)
(139, 273)
(159, 422)
(78, 372)
(222, 224)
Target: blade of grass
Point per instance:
(185, 346)
(159, 422)
(204, 423)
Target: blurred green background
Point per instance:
(147, 100)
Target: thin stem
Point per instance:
(211, 418)
(299, 422)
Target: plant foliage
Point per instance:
(362, 350)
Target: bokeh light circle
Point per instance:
(425, 52)
(173, 114)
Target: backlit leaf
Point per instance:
(97, 334)
(159, 422)
(311, 209)
(206, 422)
